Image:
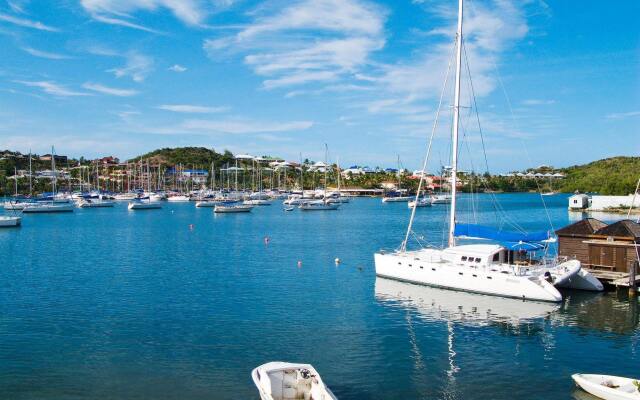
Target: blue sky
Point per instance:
(555, 82)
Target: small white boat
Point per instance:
(257, 202)
(15, 205)
(289, 208)
(396, 199)
(139, 205)
(88, 203)
(441, 199)
(571, 275)
(50, 207)
(287, 381)
(294, 200)
(608, 387)
(178, 198)
(125, 196)
(318, 205)
(9, 222)
(424, 202)
(206, 203)
(548, 194)
(234, 208)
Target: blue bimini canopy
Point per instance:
(487, 232)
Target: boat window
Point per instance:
(488, 277)
(477, 260)
(464, 258)
(433, 269)
(399, 263)
(459, 273)
(475, 276)
(496, 257)
(421, 267)
(410, 265)
(504, 272)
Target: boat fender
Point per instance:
(299, 263)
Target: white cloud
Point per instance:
(26, 23)
(623, 115)
(137, 66)
(53, 88)
(537, 102)
(45, 54)
(278, 47)
(119, 12)
(96, 87)
(177, 68)
(187, 108)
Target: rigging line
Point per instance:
(504, 91)
(403, 247)
(498, 209)
(633, 200)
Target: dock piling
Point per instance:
(633, 290)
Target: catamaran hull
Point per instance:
(447, 276)
(10, 222)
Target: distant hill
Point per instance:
(188, 156)
(612, 176)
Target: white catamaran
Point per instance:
(491, 269)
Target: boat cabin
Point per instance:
(600, 246)
(487, 254)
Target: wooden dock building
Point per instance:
(610, 252)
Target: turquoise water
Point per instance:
(114, 304)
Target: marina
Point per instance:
(319, 200)
(193, 288)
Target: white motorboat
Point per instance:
(232, 208)
(48, 207)
(608, 387)
(206, 203)
(125, 196)
(178, 198)
(144, 205)
(318, 205)
(294, 200)
(288, 381)
(548, 194)
(396, 199)
(441, 199)
(15, 205)
(257, 202)
(95, 203)
(9, 221)
(422, 202)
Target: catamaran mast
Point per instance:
(454, 134)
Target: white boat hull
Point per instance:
(96, 204)
(48, 208)
(144, 206)
(206, 204)
(9, 222)
(433, 271)
(240, 208)
(599, 386)
(398, 199)
(312, 206)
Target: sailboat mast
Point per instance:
(53, 169)
(454, 134)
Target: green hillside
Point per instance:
(612, 176)
(186, 156)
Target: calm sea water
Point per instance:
(114, 304)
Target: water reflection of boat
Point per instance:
(599, 312)
(462, 307)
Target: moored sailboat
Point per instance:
(481, 268)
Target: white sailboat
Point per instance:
(396, 196)
(139, 204)
(288, 381)
(54, 206)
(96, 202)
(481, 268)
(232, 208)
(8, 221)
(324, 204)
